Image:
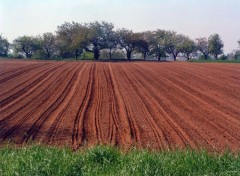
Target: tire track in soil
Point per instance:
(162, 125)
(132, 101)
(53, 131)
(113, 136)
(51, 124)
(121, 116)
(167, 104)
(159, 135)
(94, 112)
(186, 129)
(79, 135)
(32, 132)
(25, 114)
(129, 114)
(65, 129)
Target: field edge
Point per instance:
(36, 159)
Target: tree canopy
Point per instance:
(73, 40)
(4, 46)
(26, 45)
(215, 45)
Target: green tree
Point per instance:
(215, 45)
(48, 42)
(202, 46)
(64, 40)
(143, 43)
(80, 38)
(72, 39)
(111, 42)
(99, 36)
(26, 45)
(128, 41)
(188, 47)
(157, 43)
(4, 46)
(173, 43)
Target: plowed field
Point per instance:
(143, 104)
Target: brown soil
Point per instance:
(143, 104)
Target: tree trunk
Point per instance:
(96, 53)
(27, 54)
(129, 53)
(205, 56)
(48, 55)
(175, 57)
(76, 54)
(110, 54)
(144, 56)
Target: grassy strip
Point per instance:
(103, 160)
(214, 61)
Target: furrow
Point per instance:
(56, 117)
(122, 113)
(188, 108)
(215, 104)
(14, 98)
(79, 131)
(93, 113)
(15, 71)
(156, 129)
(32, 99)
(25, 115)
(15, 75)
(32, 132)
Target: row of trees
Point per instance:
(74, 39)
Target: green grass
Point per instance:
(103, 160)
(215, 61)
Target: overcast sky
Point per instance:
(195, 18)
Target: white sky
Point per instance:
(195, 18)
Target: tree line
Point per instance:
(75, 40)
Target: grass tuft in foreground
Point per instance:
(104, 160)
